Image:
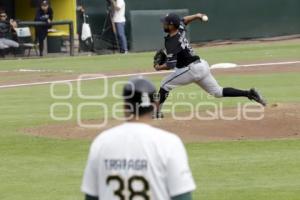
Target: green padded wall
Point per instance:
(146, 30)
(230, 19)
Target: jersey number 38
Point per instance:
(142, 193)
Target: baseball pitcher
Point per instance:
(189, 68)
(135, 161)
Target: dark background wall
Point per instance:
(151, 37)
(8, 6)
(230, 19)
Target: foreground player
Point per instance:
(189, 68)
(135, 161)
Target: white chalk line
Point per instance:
(130, 75)
(270, 64)
(37, 71)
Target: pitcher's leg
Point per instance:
(210, 85)
(251, 94)
(178, 78)
(233, 92)
(208, 82)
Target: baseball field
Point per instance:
(47, 126)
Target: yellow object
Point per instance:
(63, 10)
(24, 11)
(59, 33)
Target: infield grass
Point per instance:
(239, 53)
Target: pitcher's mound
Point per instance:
(279, 121)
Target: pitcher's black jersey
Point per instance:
(179, 51)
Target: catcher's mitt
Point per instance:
(160, 57)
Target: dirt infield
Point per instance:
(280, 121)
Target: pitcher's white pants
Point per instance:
(197, 72)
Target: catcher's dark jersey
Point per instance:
(5, 29)
(179, 51)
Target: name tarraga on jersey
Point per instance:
(124, 164)
(155, 166)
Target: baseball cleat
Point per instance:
(255, 96)
(158, 115)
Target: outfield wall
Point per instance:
(230, 19)
(235, 19)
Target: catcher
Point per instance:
(189, 68)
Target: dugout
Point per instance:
(24, 10)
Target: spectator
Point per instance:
(6, 29)
(43, 14)
(119, 20)
(80, 18)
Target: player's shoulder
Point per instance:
(106, 134)
(164, 136)
(145, 131)
(104, 137)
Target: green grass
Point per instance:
(18, 103)
(33, 166)
(246, 170)
(38, 168)
(42, 168)
(140, 61)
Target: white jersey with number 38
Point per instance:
(135, 161)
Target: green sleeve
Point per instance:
(88, 197)
(186, 196)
